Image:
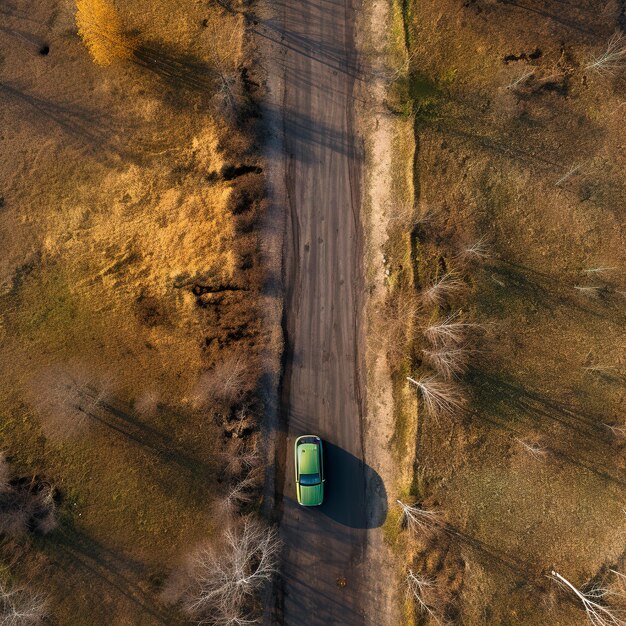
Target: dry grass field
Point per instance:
(129, 287)
(520, 200)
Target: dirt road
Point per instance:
(324, 574)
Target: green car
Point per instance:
(309, 470)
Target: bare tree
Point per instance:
(449, 331)
(594, 602)
(613, 58)
(617, 430)
(239, 458)
(224, 43)
(598, 368)
(593, 291)
(20, 607)
(532, 447)
(417, 518)
(406, 216)
(448, 361)
(598, 270)
(65, 398)
(570, 172)
(226, 382)
(243, 492)
(225, 579)
(438, 396)
(147, 404)
(395, 326)
(479, 250)
(423, 591)
(447, 286)
(520, 80)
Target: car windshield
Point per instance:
(309, 479)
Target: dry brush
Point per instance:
(224, 579)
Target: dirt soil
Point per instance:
(130, 266)
(521, 145)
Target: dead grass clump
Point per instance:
(221, 583)
(396, 326)
(100, 28)
(227, 382)
(21, 607)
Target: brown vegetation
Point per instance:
(130, 285)
(100, 27)
(222, 580)
(21, 607)
(519, 139)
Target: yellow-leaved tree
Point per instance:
(100, 28)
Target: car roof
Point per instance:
(308, 458)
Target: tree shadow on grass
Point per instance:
(184, 75)
(116, 573)
(89, 130)
(586, 442)
(122, 420)
(513, 280)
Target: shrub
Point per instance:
(27, 504)
(100, 28)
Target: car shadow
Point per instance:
(354, 493)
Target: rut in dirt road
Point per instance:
(324, 577)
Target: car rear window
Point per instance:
(309, 479)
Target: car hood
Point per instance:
(311, 495)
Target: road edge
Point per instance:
(380, 130)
